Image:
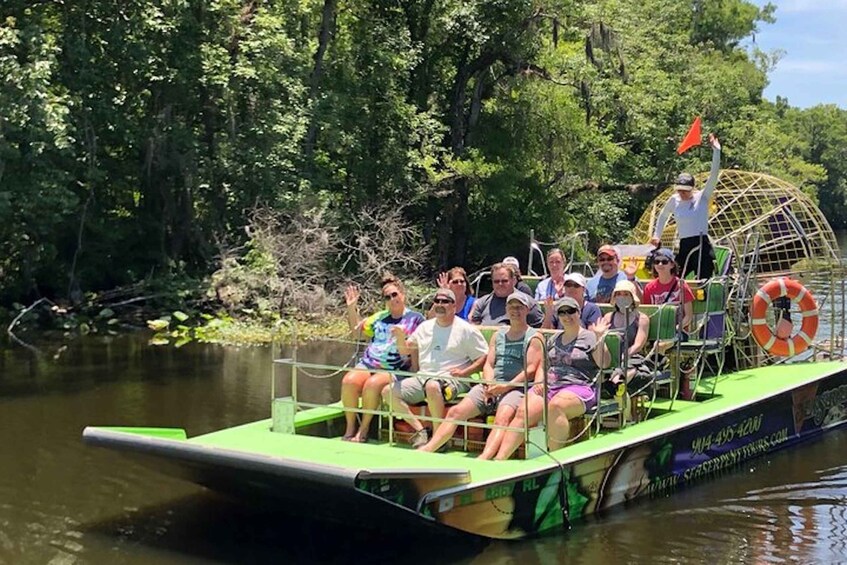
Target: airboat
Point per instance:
(752, 392)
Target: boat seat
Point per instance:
(722, 262)
(710, 336)
(531, 281)
(662, 320)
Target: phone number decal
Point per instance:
(727, 434)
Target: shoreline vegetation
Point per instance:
(229, 166)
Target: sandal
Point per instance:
(351, 437)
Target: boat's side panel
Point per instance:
(328, 492)
(552, 499)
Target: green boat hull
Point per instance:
(755, 412)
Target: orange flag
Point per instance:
(691, 138)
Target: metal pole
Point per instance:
(391, 409)
(531, 252)
(273, 370)
(622, 387)
(294, 368)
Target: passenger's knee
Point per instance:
(352, 378)
(503, 417)
(432, 388)
(453, 413)
(570, 406)
(376, 382)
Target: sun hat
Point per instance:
(627, 286)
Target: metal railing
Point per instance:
(391, 414)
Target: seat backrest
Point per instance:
(488, 331)
(710, 299)
(531, 280)
(613, 342)
(663, 321)
(710, 309)
(723, 260)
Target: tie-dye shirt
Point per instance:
(381, 352)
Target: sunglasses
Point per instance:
(572, 285)
(501, 281)
(661, 262)
(605, 258)
(457, 281)
(394, 294)
(443, 301)
(567, 311)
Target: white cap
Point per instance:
(577, 278)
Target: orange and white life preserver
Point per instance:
(764, 335)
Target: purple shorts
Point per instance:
(584, 392)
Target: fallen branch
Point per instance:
(18, 318)
(132, 300)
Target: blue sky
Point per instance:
(813, 68)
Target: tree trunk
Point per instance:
(324, 37)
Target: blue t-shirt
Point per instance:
(466, 309)
(600, 289)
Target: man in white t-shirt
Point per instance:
(445, 346)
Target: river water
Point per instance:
(64, 503)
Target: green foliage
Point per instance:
(135, 137)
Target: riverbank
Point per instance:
(226, 330)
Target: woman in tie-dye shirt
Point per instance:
(366, 380)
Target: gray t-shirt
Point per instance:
(490, 310)
(571, 362)
(509, 355)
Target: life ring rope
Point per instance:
(765, 336)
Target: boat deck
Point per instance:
(733, 390)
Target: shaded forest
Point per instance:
(138, 138)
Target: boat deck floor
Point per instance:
(733, 390)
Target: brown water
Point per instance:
(64, 503)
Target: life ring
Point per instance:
(764, 335)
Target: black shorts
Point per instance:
(696, 258)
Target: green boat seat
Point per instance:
(709, 310)
(488, 332)
(531, 280)
(613, 343)
(723, 262)
(662, 321)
